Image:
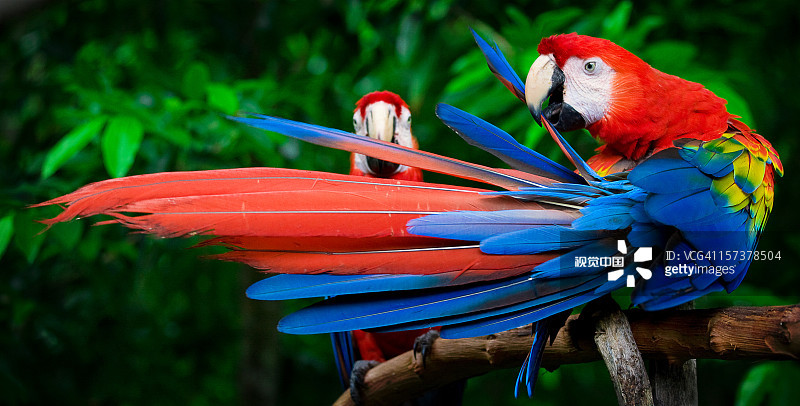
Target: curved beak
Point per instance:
(544, 79)
(381, 125)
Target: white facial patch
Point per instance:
(379, 119)
(588, 86)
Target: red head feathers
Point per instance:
(384, 96)
(634, 108)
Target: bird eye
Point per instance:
(590, 66)
(409, 120)
(355, 123)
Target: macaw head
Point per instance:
(382, 116)
(635, 109)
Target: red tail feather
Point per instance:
(271, 202)
(302, 221)
(466, 263)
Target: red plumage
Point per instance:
(384, 96)
(649, 109)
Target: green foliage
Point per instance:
(120, 143)
(6, 231)
(70, 145)
(770, 384)
(100, 88)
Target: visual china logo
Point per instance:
(641, 255)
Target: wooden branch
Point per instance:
(734, 333)
(675, 381)
(616, 345)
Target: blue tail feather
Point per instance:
(561, 288)
(531, 365)
(342, 343)
(515, 319)
(479, 225)
(288, 286)
(538, 240)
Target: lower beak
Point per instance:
(380, 168)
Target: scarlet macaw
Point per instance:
(405, 255)
(383, 116)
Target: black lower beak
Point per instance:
(382, 169)
(564, 117)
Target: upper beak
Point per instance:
(381, 123)
(544, 78)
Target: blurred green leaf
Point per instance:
(6, 231)
(615, 23)
(195, 80)
(533, 135)
(756, 385)
(27, 234)
(554, 21)
(670, 56)
(635, 36)
(70, 145)
(120, 143)
(770, 384)
(222, 97)
(69, 235)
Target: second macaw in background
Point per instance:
(385, 116)
(400, 255)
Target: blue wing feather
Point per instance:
(583, 168)
(499, 65)
(479, 133)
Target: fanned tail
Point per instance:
(303, 222)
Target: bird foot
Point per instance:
(357, 384)
(424, 344)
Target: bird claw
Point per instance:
(357, 384)
(424, 344)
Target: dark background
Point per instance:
(94, 89)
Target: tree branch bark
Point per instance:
(617, 346)
(675, 381)
(762, 333)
